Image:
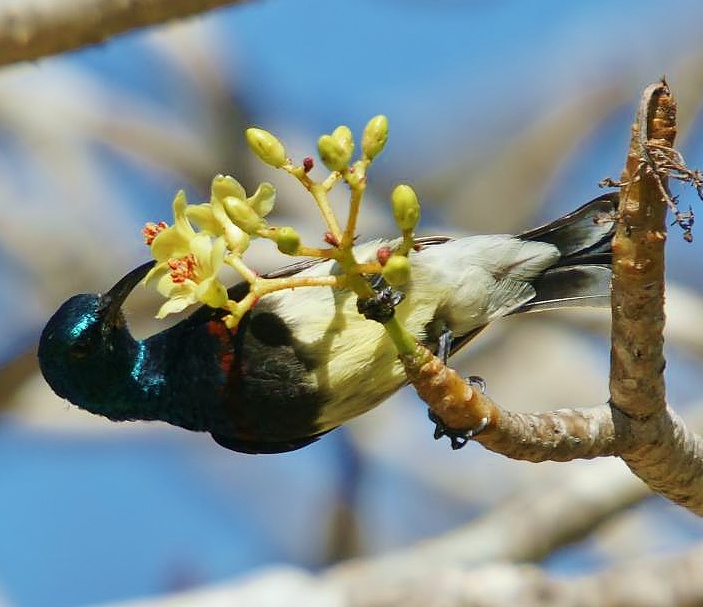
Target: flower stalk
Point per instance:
(207, 236)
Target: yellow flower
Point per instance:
(193, 278)
(190, 253)
(188, 262)
(174, 241)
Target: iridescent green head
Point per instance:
(85, 348)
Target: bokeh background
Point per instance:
(503, 115)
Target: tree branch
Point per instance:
(651, 438)
(672, 582)
(31, 29)
(520, 529)
(637, 299)
(636, 425)
(560, 435)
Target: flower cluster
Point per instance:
(204, 237)
(190, 254)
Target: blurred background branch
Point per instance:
(32, 29)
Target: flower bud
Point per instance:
(287, 240)
(242, 215)
(333, 153)
(406, 207)
(375, 136)
(383, 255)
(266, 146)
(344, 135)
(396, 272)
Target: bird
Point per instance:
(304, 361)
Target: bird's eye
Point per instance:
(80, 348)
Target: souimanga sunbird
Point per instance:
(304, 361)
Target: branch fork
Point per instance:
(636, 424)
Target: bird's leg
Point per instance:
(458, 438)
(444, 344)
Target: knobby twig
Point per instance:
(651, 438)
(636, 424)
(31, 29)
(556, 435)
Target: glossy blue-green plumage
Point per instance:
(190, 375)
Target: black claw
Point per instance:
(457, 438)
(478, 381)
(444, 345)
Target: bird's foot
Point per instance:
(459, 438)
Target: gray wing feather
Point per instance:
(569, 287)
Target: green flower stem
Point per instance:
(263, 286)
(357, 195)
(404, 342)
(408, 243)
(236, 262)
(369, 268)
(331, 180)
(320, 253)
(319, 193)
(298, 171)
(357, 283)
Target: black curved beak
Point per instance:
(111, 302)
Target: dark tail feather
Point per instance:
(583, 236)
(581, 278)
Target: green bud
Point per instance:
(344, 135)
(396, 272)
(266, 146)
(334, 155)
(242, 215)
(406, 207)
(287, 240)
(375, 136)
(225, 185)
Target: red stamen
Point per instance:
(182, 268)
(151, 229)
